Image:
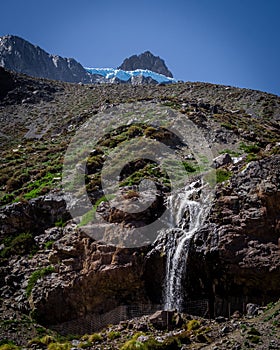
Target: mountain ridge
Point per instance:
(21, 56)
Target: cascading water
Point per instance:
(188, 211)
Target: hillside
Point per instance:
(64, 271)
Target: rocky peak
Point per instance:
(19, 55)
(148, 61)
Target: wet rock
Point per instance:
(238, 246)
(162, 319)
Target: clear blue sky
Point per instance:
(231, 42)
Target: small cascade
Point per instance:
(188, 211)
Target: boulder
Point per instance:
(252, 309)
(162, 319)
(221, 160)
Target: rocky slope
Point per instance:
(52, 269)
(148, 61)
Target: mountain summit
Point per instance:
(147, 61)
(19, 55)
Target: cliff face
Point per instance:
(239, 247)
(235, 256)
(19, 55)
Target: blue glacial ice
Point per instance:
(110, 73)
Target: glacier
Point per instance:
(110, 73)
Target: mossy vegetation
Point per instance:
(59, 346)
(249, 148)
(35, 276)
(90, 215)
(223, 175)
(8, 345)
(21, 244)
(193, 325)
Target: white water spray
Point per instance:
(188, 211)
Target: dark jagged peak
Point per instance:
(148, 61)
(19, 55)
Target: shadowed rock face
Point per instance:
(238, 250)
(21, 56)
(235, 256)
(146, 61)
(6, 82)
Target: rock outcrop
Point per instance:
(34, 216)
(148, 61)
(19, 55)
(235, 256)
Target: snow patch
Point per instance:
(55, 59)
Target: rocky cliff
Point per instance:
(19, 55)
(148, 61)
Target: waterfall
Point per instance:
(188, 211)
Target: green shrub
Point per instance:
(60, 223)
(48, 244)
(59, 346)
(253, 331)
(223, 175)
(6, 344)
(149, 131)
(134, 130)
(19, 245)
(189, 168)
(255, 339)
(9, 346)
(45, 340)
(133, 344)
(193, 325)
(113, 335)
(90, 215)
(85, 345)
(253, 148)
(231, 152)
(95, 337)
(251, 157)
(228, 126)
(35, 276)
